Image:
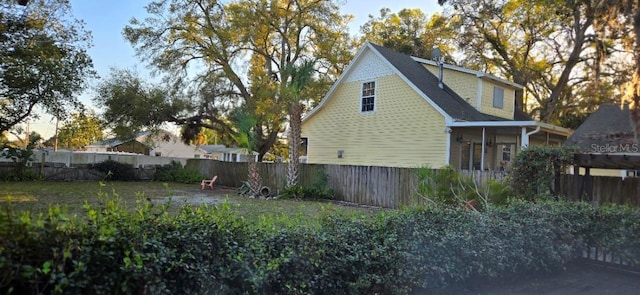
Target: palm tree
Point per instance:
(244, 137)
(298, 78)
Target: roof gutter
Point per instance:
(538, 125)
(492, 124)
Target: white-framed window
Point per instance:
(368, 99)
(498, 97)
(506, 153)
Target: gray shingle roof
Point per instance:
(608, 128)
(447, 99)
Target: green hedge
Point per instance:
(212, 251)
(175, 172)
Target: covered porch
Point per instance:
(493, 145)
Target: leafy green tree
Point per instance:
(133, 105)
(229, 55)
(80, 130)
(299, 77)
(548, 46)
(245, 137)
(621, 20)
(412, 32)
(22, 155)
(210, 136)
(43, 60)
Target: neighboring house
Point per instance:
(227, 154)
(387, 109)
(609, 139)
(160, 144)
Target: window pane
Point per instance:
(368, 96)
(367, 104)
(498, 97)
(368, 89)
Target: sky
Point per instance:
(106, 19)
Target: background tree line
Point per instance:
(216, 59)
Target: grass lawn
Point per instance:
(38, 196)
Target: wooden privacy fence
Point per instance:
(606, 189)
(77, 173)
(389, 187)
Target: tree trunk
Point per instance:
(295, 131)
(635, 83)
(254, 175)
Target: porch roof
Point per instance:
(545, 127)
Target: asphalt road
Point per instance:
(577, 279)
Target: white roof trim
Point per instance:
(492, 124)
(395, 70)
(478, 74)
(346, 71)
(544, 126)
(413, 86)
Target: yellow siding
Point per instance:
(602, 172)
(487, 100)
(465, 85)
(404, 130)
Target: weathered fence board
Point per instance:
(367, 185)
(606, 189)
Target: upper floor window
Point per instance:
(368, 97)
(498, 97)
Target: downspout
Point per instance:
(525, 136)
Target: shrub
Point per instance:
(534, 170)
(24, 175)
(444, 186)
(319, 188)
(175, 172)
(20, 158)
(448, 187)
(116, 170)
(497, 192)
(210, 250)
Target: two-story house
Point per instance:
(391, 109)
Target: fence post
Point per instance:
(42, 164)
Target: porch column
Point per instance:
(482, 152)
(524, 139)
(447, 159)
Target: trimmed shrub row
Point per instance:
(212, 251)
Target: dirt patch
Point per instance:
(577, 279)
(195, 197)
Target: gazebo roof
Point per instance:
(608, 139)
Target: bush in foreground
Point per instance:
(210, 250)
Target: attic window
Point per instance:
(498, 97)
(368, 97)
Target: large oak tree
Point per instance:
(411, 31)
(550, 47)
(226, 55)
(43, 60)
